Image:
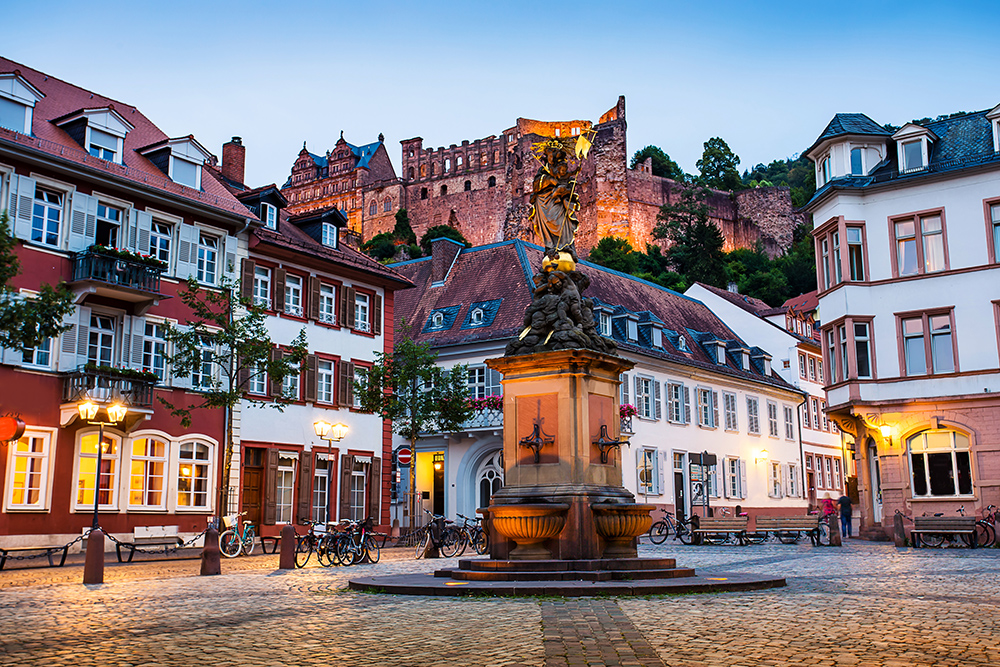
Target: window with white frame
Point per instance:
(46, 216)
(862, 349)
(995, 226)
(262, 287)
(734, 478)
(87, 473)
(483, 382)
(208, 255)
(329, 235)
(802, 366)
(729, 408)
(154, 349)
(774, 480)
(838, 480)
(290, 386)
(285, 489)
(753, 415)
(361, 312)
(327, 304)
(644, 397)
(772, 419)
(147, 473)
(476, 317)
(359, 478)
(648, 472)
(605, 323)
(293, 295)
(324, 381)
(940, 463)
(109, 226)
(28, 471)
(829, 471)
(40, 356)
(812, 368)
(705, 412)
(912, 153)
(857, 157)
(14, 115)
(101, 340)
(855, 253)
(676, 408)
(257, 382)
(320, 487)
(789, 422)
(103, 145)
(185, 172)
(793, 480)
(192, 475)
(269, 215)
(359, 381)
(202, 374)
(159, 240)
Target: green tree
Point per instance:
(440, 231)
(407, 388)
(662, 164)
(403, 231)
(27, 323)
(381, 246)
(614, 253)
(696, 243)
(718, 166)
(226, 342)
(799, 264)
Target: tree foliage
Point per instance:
(696, 243)
(718, 166)
(798, 174)
(385, 247)
(662, 164)
(441, 231)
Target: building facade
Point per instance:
(907, 233)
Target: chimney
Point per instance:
(234, 157)
(443, 254)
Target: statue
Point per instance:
(554, 200)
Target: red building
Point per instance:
(102, 199)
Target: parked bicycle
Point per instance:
(356, 543)
(313, 541)
(986, 535)
(457, 539)
(430, 534)
(667, 526)
(233, 541)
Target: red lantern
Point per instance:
(11, 428)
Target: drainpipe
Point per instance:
(802, 454)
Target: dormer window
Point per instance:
(913, 147)
(682, 344)
(101, 131)
(437, 320)
(269, 215)
(720, 355)
(857, 162)
(994, 117)
(824, 171)
(476, 317)
(17, 102)
(103, 145)
(632, 328)
(656, 336)
(329, 235)
(180, 159)
(912, 153)
(605, 322)
(185, 172)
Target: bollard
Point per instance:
(695, 524)
(211, 559)
(835, 538)
(93, 567)
(898, 533)
(286, 561)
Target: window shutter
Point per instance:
(279, 289)
(83, 335)
(21, 214)
(350, 297)
(138, 340)
(687, 404)
(343, 306)
(656, 399)
(715, 409)
(638, 468)
(83, 206)
(637, 386)
(246, 278)
(310, 377)
(230, 244)
(313, 298)
(271, 487)
(346, 466)
(12, 206)
(726, 477)
(67, 340)
(743, 479)
(375, 489)
(242, 376)
(187, 251)
(377, 316)
(304, 504)
(345, 390)
(276, 354)
(784, 479)
(656, 470)
(143, 228)
(624, 380)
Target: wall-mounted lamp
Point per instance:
(761, 456)
(886, 432)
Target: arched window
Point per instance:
(476, 317)
(147, 481)
(373, 208)
(489, 478)
(423, 193)
(437, 319)
(423, 171)
(444, 190)
(468, 185)
(387, 205)
(107, 494)
(447, 165)
(192, 475)
(409, 173)
(940, 463)
(492, 182)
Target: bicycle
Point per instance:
(425, 534)
(985, 533)
(457, 539)
(232, 542)
(312, 541)
(661, 530)
(356, 543)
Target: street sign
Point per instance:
(403, 456)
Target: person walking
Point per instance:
(845, 515)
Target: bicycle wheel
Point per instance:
(823, 537)
(303, 550)
(423, 545)
(230, 544)
(659, 532)
(684, 534)
(325, 553)
(346, 551)
(931, 540)
(985, 535)
(372, 549)
(248, 543)
(481, 542)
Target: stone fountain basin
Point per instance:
(529, 525)
(622, 521)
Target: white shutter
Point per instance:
(11, 204)
(743, 478)
(187, 254)
(726, 477)
(183, 381)
(658, 463)
(624, 379)
(687, 404)
(67, 342)
(143, 228)
(638, 383)
(83, 222)
(784, 479)
(82, 335)
(138, 340)
(656, 399)
(21, 214)
(229, 257)
(715, 409)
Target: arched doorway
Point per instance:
(489, 478)
(875, 475)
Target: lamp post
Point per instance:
(331, 433)
(93, 569)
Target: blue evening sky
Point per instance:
(766, 77)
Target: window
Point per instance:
(359, 477)
(855, 253)
(802, 366)
(468, 186)
(644, 397)
(321, 485)
(258, 380)
(192, 476)
(159, 241)
(789, 423)
(327, 304)
(793, 480)
(201, 376)
(262, 287)
(829, 472)
(822, 413)
(285, 479)
(184, 172)
(753, 417)
(913, 155)
(824, 171)
(87, 472)
(101, 343)
(729, 407)
(814, 402)
(734, 478)
(359, 381)
(46, 216)
(437, 320)
(423, 191)
(329, 235)
(824, 245)
(208, 252)
(13, 115)
(707, 404)
(484, 382)
(103, 145)
(324, 381)
(835, 244)
(772, 419)
(146, 476)
(444, 190)
(774, 480)
(838, 482)
(293, 295)
(28, 474)
(269, 215)
(476, 317)
(995, 228)
(605, 323)
(857, 168)
(677, 403)
(361, 312)
(386, 205)
(109, 220)
(928, 338)
(648, 472)
(373, 208)
(820, 480)
(812, 368)
(154, 349)
(39, 356)
(290, 386)
(862, 349)
(920, 245)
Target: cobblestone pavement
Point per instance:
(865, 604)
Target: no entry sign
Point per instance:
(403, 456)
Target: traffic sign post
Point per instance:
(404, 456)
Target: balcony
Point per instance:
(482, 419)
(118, 274)
(627, 425)
(103, 384)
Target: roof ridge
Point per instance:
(73, 85)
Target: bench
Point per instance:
(149, 536)
(943, 526)
(709, 528)
(7, 552)
(274, 541)
(788, 529)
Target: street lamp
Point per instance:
(88, 413)
(331, 433)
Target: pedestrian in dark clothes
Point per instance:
(845, 515)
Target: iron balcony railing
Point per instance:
(627, 425)
(132, 274)
(481, 419)
(934, 167)
(104, 387)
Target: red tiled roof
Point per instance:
(747, 303)
(63, 98)
(803, 303)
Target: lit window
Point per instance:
(324, 381)
(361, 312)
(919, 245)
(28, 471)
(146, 474)
(262, 287)
(192, 475)
(293, 295)
(940, 463)
(208, 253)
(359, 479)
(753, 417)
(109, 221)
(329, 235)
(774, 479)
(159, 241)
(321, 485)
(327, 304)
(46, 216)
(154, 349)
(87, 472)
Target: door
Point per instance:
(876, 482)
(680, 503)
(438, 484)
(253, 485)
(811, 485)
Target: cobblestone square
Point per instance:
(864, 604)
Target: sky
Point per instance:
(767, 79)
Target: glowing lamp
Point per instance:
(322, 428)
(88, 410)
(338, 431)
(886, 430)
(438, 465)
(116, 412)
(762, 455)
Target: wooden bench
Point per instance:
(274, 541)
(943, 526)
(788, 529)
(149, 536)
(7, 552)
(709, 527)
